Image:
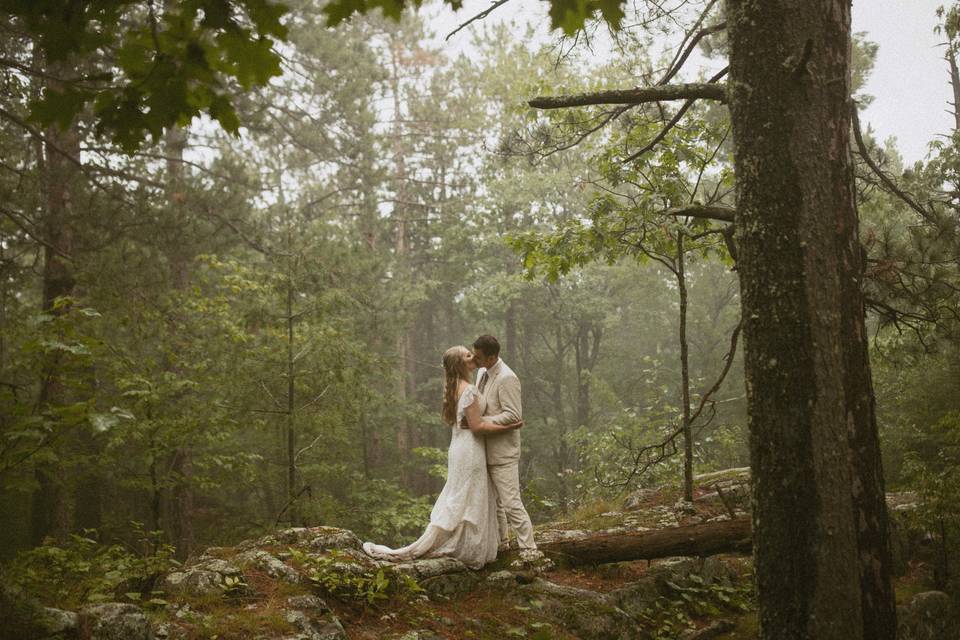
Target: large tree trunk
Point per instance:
(807, 381)
(704, 539)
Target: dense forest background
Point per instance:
(211, 335)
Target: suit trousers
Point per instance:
(510, 511)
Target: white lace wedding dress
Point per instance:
(463, 523)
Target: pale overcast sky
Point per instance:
(909, 81)
(910, 78)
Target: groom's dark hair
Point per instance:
(488, 345)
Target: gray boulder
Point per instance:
(114, 621)
(309, 628)
(308, 538)
(169, 631)
(418, 634)
(204, 577)
(310, 604)
(272, 566)
(23, 617)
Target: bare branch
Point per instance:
(884, 178)
(480, 16)
(639, 95)
(673, 121)
(12, 216)
(250, 242)
(610, 116)
(707, 212)
(648, 456)
(723, 374)
(678, 64)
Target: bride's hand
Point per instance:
(514, 425)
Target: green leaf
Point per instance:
(60, 108)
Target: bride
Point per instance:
(463, 523)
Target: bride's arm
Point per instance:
(477, 424)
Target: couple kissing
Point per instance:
(480, 501)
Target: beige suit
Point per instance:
(501, 390)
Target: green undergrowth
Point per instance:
(336, 574)
(671, 614)
(82, 570)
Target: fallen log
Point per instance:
(704, 539)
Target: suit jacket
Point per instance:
(502, 395)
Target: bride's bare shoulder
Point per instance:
(462, 388)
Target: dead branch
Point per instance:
(648, 456)
(639, 95)
(706, 212)
(682, 57)
(480, 16)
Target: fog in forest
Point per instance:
(226, 287)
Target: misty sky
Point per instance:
(909, 81)
(910, 78)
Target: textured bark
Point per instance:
(808, 380)
(703, 539)
(869, 493)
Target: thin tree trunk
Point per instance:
(561, 448)
(581, 352)
(291, 436)
(50, 511)
(180, 510)
(400, 252)
(805, 355)
(684, 373)
(510, 333)
(954, 84)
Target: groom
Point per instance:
(500, 387)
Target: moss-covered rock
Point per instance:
(114, 621)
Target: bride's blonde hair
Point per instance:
(454, 370)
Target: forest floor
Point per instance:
(665, 598)
(316, 584)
